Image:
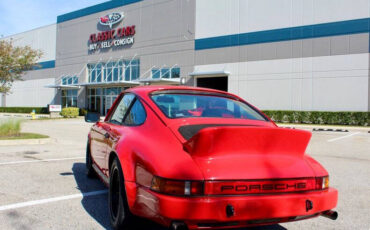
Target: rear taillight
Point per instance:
(177, 187)
(322, 183)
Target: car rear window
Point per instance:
(193, 105)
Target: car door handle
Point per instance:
(106, 135)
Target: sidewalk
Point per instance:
(22, 115)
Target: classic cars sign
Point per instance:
(114, 37)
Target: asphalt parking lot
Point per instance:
(45, 187)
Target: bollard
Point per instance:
(33, 114)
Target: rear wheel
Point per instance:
(90, 172)
(120, 215)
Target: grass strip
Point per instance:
(22, 136)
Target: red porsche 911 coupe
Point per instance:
(196, 158)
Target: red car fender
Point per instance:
(319, 170)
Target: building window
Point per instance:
(108, 72)
(69, 80)
(175, 72)
(69, 98)
(166, 73)
(114, 71)
(156, 73)
(135, 70)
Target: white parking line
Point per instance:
(339, 138)
(36, 161)
(50, 200)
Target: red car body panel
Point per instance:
(237, 150)
(232, 153)
(211, 210)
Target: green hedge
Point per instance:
(83, 112)
(319, 117)
(38, 110)
(70, 112)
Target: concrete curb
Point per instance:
(325, 128)
(23, 115)
(41, 141)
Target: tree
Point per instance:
(14, 61)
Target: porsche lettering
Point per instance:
(263, 187)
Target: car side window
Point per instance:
(136, 115)
(121, 109)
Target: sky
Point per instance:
(17, 16)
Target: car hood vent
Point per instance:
(188, 131)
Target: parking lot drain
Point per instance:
(66, 174)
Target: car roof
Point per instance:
(144, 93)
(145, 90)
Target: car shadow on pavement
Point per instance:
(97, 206)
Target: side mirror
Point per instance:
(92, 117)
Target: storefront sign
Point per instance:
(55, 108)
(114, 37)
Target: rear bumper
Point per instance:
(204, 212)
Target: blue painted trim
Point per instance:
(286, 34)
(45, 65)
(94, 9)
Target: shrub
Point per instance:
(39, 110)
(320, 117)
(70, 112)
(83, 112)
(10, 127)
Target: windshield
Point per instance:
(193, 105)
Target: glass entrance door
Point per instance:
(109, 99)
(101, 99)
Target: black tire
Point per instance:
(90, 172)
(119, 212)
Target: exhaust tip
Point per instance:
(333, 215)
(176, 225)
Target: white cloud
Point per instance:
(17, 16)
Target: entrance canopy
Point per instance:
(209, 73)
(110, 84)
(63, 86)
(166, 81)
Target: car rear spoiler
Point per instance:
(248, 140)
